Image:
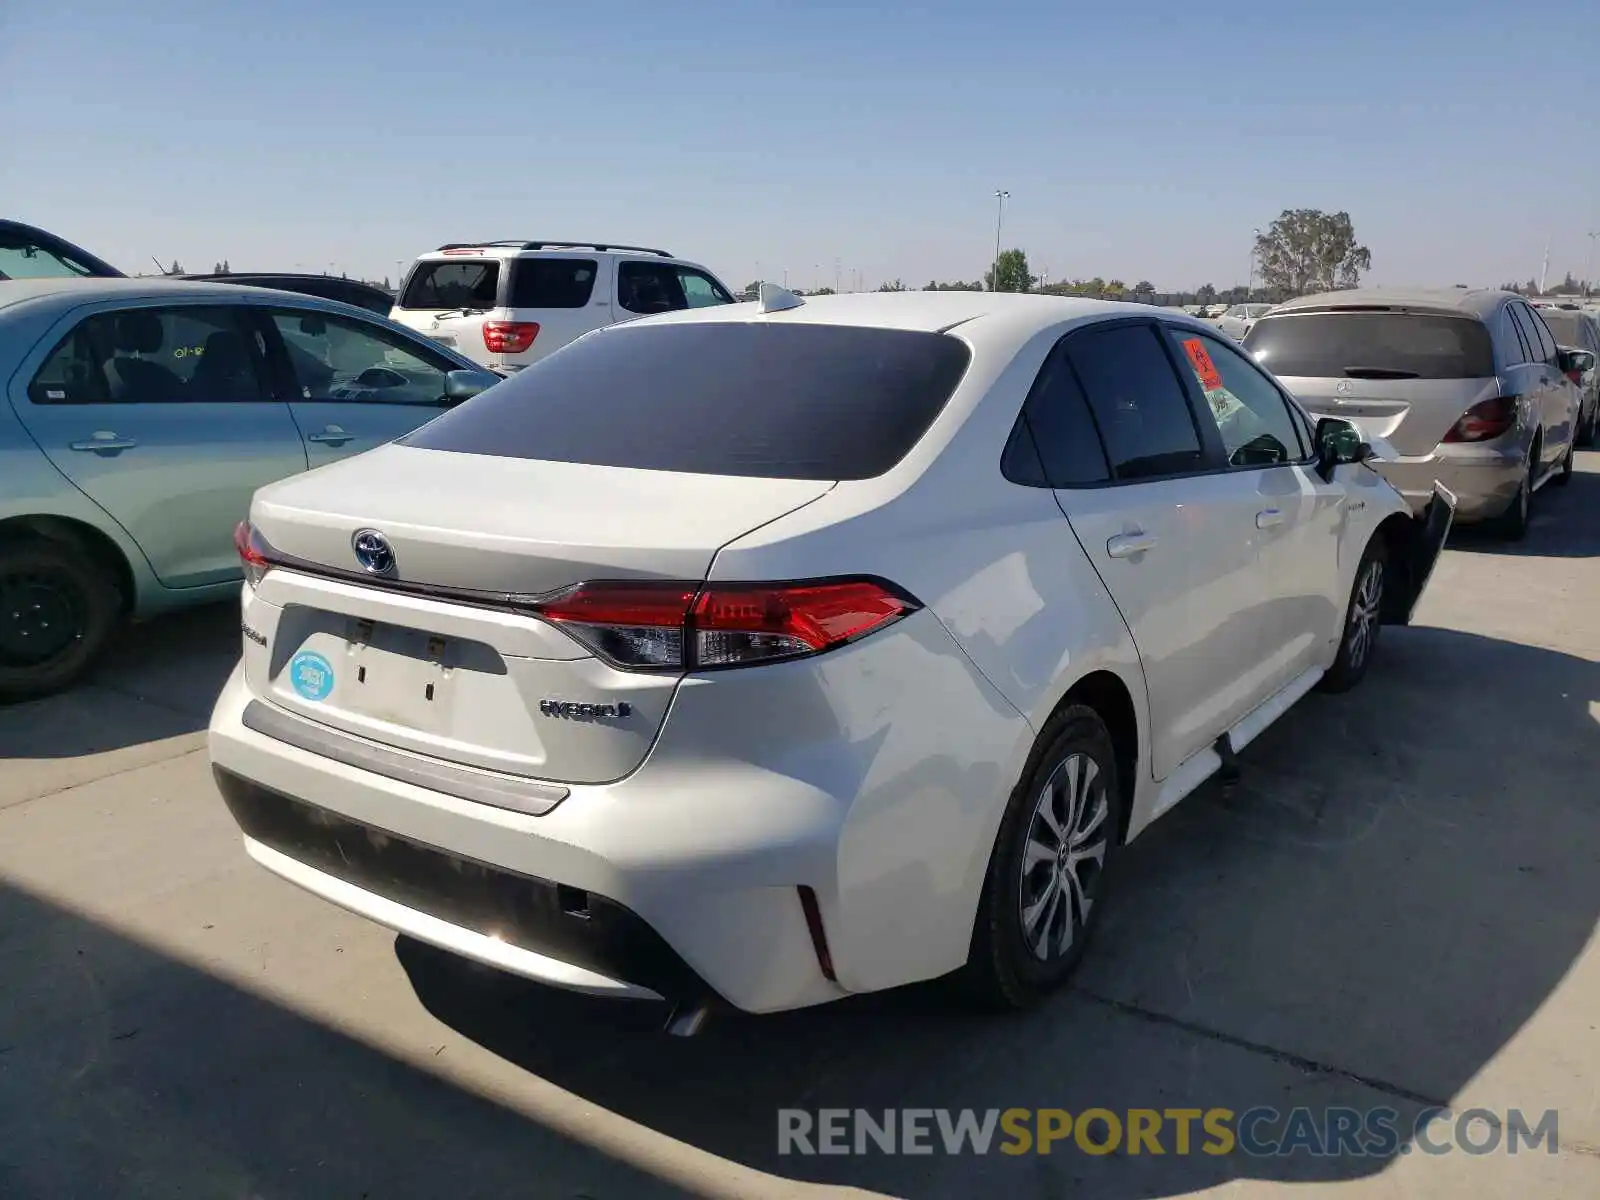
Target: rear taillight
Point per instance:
(509, 337)
(1485, 420)
(1575, 376)
(252, 550)
(687, 626)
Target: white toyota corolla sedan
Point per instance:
(779, 651)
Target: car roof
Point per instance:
(932, 312)
(76, 291)
(1476, 302)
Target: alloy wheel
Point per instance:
(1364, 612)
(1068, 838)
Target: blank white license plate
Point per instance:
(398, 676)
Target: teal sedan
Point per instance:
(140, 416)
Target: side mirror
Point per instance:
(464, 385)
(1579, 361)
(1339, 442)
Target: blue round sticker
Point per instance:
(311, 675)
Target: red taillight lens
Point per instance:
(1484, 420)
(1575, 376)
(252, 552)
(509, 337)
(685, 626)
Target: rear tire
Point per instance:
(58, 608)
(1564, 476)
(1512, 525)
(1043, 894)
(1363, 619)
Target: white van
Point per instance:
(508, 304)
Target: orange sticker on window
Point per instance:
(1210, 380)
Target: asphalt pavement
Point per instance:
(1395, 908)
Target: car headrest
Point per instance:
(224, 350)
(139, 332)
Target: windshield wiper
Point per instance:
(467, 311)
(1379, 373)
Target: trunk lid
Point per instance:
(1411, 414)
(432, 658)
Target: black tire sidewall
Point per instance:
(1342, 676)
(1002, 965)
(94, 596)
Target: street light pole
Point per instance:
(1000, 195)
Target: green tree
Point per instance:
(1206, 295)
(226, 269)
(1115, 289)
(177, 268)
(1144, 290)
(1307, 250)
(751, 288)
(896, 286)
(1010, 273)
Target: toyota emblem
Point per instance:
(1342, 387)
(373, 551)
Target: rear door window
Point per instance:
(1547, 344)
(552, 282)
(1522, 342)
(647, 287)
(795, 401)
(1138, 401)
(179, 355)
(1055, 443)
(454, 283)
(1372, 345)
(1567, 327)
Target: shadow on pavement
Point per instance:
(1401, 880)
(1562, 523)
(158, 680)
(125, 1074)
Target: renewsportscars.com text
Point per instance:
(1259, 1132)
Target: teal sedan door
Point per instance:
(161, 415)
(353, 384)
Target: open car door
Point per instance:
(1426, 539)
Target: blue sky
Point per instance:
(1140, 141)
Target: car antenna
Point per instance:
(778, 299)
(159, 267)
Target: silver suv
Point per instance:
(1467, 387)
(508, 304)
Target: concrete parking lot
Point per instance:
(1396, 907)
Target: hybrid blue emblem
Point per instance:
(311, 675)
(373, 551)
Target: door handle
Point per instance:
(1268, 517)
(104, 440)
(332, 436)
(1126, 545)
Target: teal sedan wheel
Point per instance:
(57, 611)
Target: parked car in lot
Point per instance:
(508, 304)
(139, 417)
(800, 648)
(1575, 329)
(1467, 386)
(28, 252)
(1237, 319)
(329, 287)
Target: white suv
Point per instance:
(508, 304)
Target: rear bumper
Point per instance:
(1483, 481)
(873, 777)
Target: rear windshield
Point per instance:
(1388, 345)
(1565, 326)
(721, 398)
(459, 283)
(551, 282)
